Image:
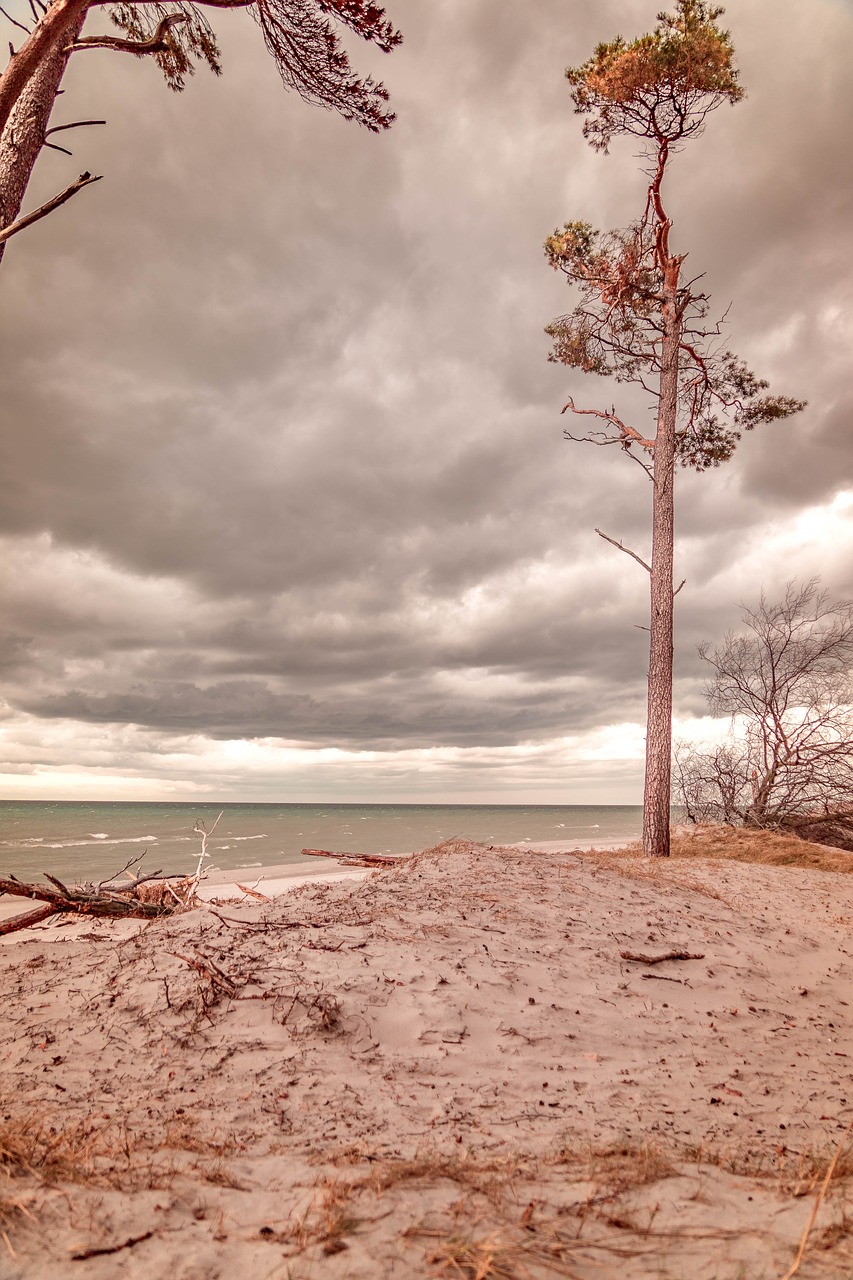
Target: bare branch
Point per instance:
(627, 550)
(43, 210)
(628, 435)
(155, 44)
(77, 124)
(678, 588)
(15, 22)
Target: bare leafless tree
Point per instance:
(641, 321)
(301, 35)
(787, 685)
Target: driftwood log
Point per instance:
(356, 859)
(104, 900)
(642, 958)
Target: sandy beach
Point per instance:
(474, 1064)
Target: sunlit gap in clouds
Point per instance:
(125, 762)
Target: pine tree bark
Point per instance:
(656, 793)
(24, 135)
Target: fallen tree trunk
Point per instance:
(119, 902)
(28, 918)
(356, 859)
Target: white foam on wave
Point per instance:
(98, 835)
(263, 836)
(78, 844)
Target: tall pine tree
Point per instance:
(640, 321)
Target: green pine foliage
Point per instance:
(659, 88)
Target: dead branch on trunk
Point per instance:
(628, 552)
(85, 180)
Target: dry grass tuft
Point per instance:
(499, 1256)
(623, 1166)
(326, 1222)
(795, 1172)
(618, 1167)
(53, 1155)
(767, 848)
(489, 1177)
(110, 1155)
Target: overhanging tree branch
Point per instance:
(155, 44)
(302, 36)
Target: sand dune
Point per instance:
(446, 1068)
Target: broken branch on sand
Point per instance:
(118, 902)
(356, 859)
(641, 958)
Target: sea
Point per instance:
(80, 842)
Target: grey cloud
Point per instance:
(288, 384)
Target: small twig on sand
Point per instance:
(660, 977)
(641, 958)
(80, 1255)
(207, 968)
(819, 1199)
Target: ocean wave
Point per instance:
(98, 835)
(260, 837)
(41, 843)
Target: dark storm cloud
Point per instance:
(282, 451)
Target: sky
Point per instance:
(287, 510)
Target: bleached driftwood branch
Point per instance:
(356, 859)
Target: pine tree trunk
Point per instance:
(656, 794)
(24, 135)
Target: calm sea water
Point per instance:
(79, 841)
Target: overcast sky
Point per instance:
(287, 513)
